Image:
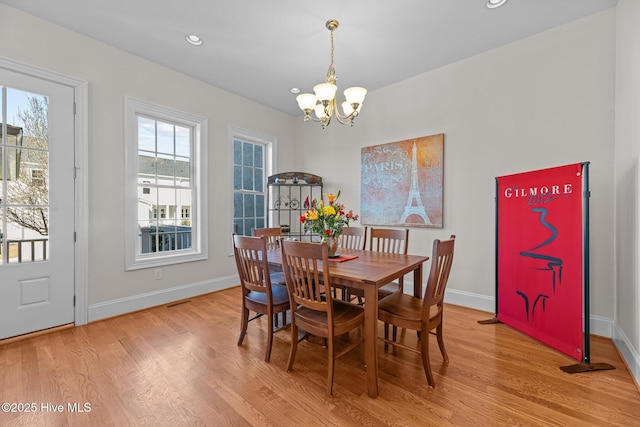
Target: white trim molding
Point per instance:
(121, 306)
(628, 353)
(81, 131)
(199, 125)
(270, 143)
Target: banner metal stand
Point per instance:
(495, 318)
(585, 365)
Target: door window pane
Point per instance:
(24, 171)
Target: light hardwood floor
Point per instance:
(179, 365)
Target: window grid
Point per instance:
(166, 186)
(249, 190)
(164, 169)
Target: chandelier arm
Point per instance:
(349, 120)
(349, 117)
(313, 119)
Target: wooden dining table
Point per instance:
(369, 271)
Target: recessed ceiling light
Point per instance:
(294, 90)
(492, 4)
(193, 39)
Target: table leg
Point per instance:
(370, 338)
(417, 281)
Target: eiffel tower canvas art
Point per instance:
(402, 183)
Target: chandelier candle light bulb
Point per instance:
(324, 103)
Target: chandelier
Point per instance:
(323, 103)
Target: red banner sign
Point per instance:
(540, 255)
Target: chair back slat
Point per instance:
(272, 235)
(353, 238)
(306, 284)
(389, 240)
(441, 261)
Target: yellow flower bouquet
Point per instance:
(327, 219)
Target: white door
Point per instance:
(36, 204)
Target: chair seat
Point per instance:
(383, 291)
(388, 289)
(277, 278)
(278, 292)
(406, 307)
(345, 316)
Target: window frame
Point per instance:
(270, 149)
(199, 250)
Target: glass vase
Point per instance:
(332, 245)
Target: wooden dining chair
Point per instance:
(353, 238)
(272, 234)
(421, 314)
(259, 294)
(314, 311)
(391, 240)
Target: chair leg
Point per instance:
(440, 336)
(386, 335)
(294, 346)
(424, 350)
(270, 326)
(331, 361)
(244, 320)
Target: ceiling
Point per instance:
(260, 49)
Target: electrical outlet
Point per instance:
(157, 274)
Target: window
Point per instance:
(166, 176)
(37, 177)
(252, 164)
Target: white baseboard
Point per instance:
(598, 325)
(467, 299)
(140, 302)
(601, 326)
(630, 356)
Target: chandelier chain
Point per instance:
(331, 72)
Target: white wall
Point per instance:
(627, 151)
(543, 101)
(111, 75)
